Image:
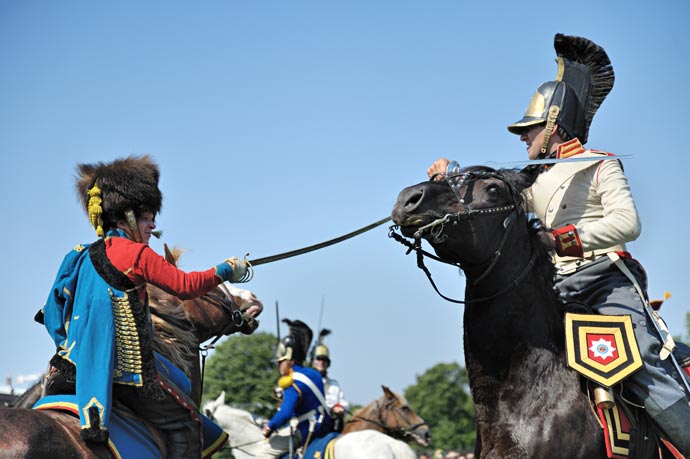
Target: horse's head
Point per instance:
(465, 215)
(399, 420)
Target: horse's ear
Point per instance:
(169, 257)
(528, 176)
(221, 398)
(387, 392)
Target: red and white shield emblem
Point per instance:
(602, 348)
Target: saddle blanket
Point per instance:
(130, 437)
(320, 448)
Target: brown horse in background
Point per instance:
(392, 415)
(181, 327)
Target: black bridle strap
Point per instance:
(381, 423)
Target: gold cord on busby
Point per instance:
(119, 190)
(94, 209)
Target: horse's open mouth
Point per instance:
(410, 225)
(422, 441)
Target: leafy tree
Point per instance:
(243, 367)
(441, 396)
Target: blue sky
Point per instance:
(280, 124)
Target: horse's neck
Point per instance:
(244, 435)
(369, 417)
(524, 318)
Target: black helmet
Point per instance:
(296, 344)
(585, 77)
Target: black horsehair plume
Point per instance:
(578, 50)
(322, 334)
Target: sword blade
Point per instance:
(311, 248)
(527, 162)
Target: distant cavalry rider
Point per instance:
(303, 399)
(334, 394)
(98, 315)
(589, 214)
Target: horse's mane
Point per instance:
(177, 344)
(28, 397)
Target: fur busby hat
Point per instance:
(296, 344)
(584, 79)
(108, 191)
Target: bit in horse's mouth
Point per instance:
(410, 225)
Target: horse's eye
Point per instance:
(493, 189)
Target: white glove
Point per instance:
(241, 271)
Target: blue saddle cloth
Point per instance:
(129, 437)
(319, 448)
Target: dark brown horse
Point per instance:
(528, 404)
(181, 327)
(392, 415)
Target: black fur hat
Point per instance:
(108, 190)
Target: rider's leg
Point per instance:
(605, 288)
(169, 416)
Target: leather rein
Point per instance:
(399, 432)
(437, 227)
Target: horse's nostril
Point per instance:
(413, 200)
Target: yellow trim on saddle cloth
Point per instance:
(601, 348)
(617, 438)
(215, 446)
(87, 419)
(71, 407)
(329, 453)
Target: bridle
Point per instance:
(399, 431)
(436, 230)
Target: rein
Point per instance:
(437, 227)
(224, 304)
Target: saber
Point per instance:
(311, 248)
(527, 162)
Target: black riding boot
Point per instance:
(172, 419)
(674, 421)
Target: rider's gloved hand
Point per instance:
(233, 270)
(266, 431)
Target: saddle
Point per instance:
(130, 436)
(603, 350)
(319, 448)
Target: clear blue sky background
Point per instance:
(280, 124)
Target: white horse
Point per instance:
(245, 436)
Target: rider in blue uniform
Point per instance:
(303, 401)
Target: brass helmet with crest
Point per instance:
(119, 190)
(584, 79)
(296, 344)
(321, 350)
